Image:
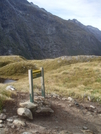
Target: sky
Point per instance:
(88, 12)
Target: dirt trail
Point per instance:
(68, 117)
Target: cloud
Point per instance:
(87, 12)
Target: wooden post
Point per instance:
(31, 85)
(42, 82)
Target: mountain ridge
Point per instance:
(30, 31)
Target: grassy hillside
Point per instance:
(77, 76)
(4, 60)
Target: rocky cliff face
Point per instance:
(95, 31)
(30, 31)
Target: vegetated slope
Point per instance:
(78, 76)
(54, 64)
(4, 60)
(17, 66)
(30, 31)
(14, 67)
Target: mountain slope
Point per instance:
(27, 30)
(95, 31)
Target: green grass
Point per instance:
(77, 76)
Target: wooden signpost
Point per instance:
(32, 75)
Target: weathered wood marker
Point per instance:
(32, 75)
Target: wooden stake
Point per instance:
(42, 82)
(31, 85)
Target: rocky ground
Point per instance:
(69, 117)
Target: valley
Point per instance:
(78, 77)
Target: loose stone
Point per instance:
(70, 99)
(2, 116)
(85, 128)
(10, 120)
(64, 99)
(1, 121)
(17, 122)
(1, 125)
(26, 133)
(91, 106)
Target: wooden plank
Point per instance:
(35, 71)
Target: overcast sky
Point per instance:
(88, 12)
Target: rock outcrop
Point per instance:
(40, 106)
(28, 105)
(25, 112)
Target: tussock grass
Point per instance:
(76, 76)
(4, 94)
(79, 80)
(16, 70)
(54, 64)
(4, 60)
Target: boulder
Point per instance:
(44, 110)
(18, 123)
(10, 88)
(24, 112)
(28, 105)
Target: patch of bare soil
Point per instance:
(68, 117)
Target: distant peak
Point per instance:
(75, 21)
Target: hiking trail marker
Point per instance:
(32, 75)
